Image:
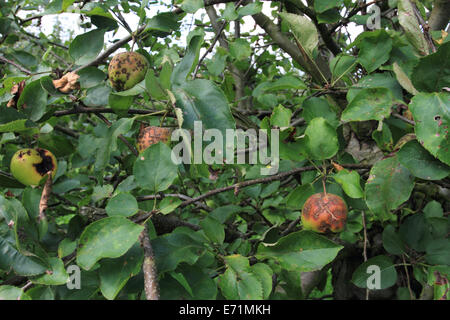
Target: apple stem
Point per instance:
(324, 188)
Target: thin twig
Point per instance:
(80, 109)
(365, 246)
(18, 66)
(407, 278)
(399, 116)
(279, 176)
(425, 27)
(216, 38)
(175, 195)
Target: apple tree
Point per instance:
(357, 92)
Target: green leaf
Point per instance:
(57, 277)
(303, 30)
(388, 274)
(153, 86)
(18, 126)
(195, 99)
(350, 182)
(250, 9)
(240, 49)
(90, 77)
(154, 168)
(324, 5)
(85, 47)
(165, 22)
(300, 251)
(115, 273)
(283, 83)
(319, 107)
(181, 245)
(33, 100)
(281, 117)
(102, 192)
(47, 84)
(224, 213)
(264, 274)
(238, 281)
(120, 104)
(166, 73)
(375, 48)
(376, 80)
(108, 143)
(403, 79)
(341, 65)
(369, 104)
(122, 204)
(230, 13)
(22, 265)
(433, 209)
(217, 64)
(191, 6)
(97, 96)
(408, 21)
(383, 138)
(413, 230)
(432, 73)
(9, 182)
(168, 204)
(184, 68)
(24, 58)
(388, 186)
(431, 113)
(106, 238)
(102, 20)
(329, 16)
(66, 247)
(180, 278)
(421, 163)
(213, 229)
(297, 198)
(12, 293)
(321, 139)
(392, 241)
(438, 252)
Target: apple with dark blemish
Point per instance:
(31, 166)
(151, 135)
(324, 211)
(127, 69)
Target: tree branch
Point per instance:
(290, 48)
(322, 28)
(79, 110)
(18, 66)
(238, 76)
(111, 49)
(151, 285)
(440, 15)
(279, 176)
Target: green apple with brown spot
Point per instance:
(127, 69)
(31, 166)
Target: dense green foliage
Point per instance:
(365, 113)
